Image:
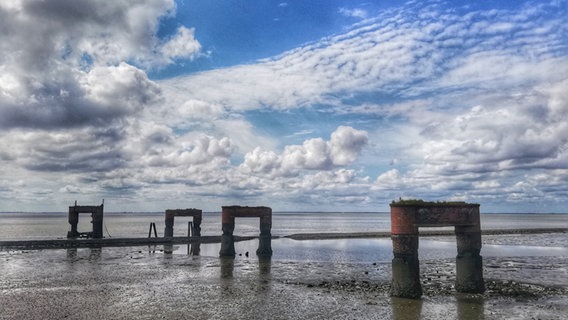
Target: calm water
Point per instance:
(21, 226)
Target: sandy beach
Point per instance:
(146, 283)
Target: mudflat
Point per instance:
(147, 283)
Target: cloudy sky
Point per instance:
(337, 105)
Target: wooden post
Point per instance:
(152, 226)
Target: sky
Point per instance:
(320, 105)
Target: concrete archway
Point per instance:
(409, 215)
(172, 213)
(97, 221)
(229, 213)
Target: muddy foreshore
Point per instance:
(136, 282)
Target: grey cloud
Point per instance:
(78, 150)
(63, 62)
(98, 98)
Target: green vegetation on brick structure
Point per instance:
(422, 203)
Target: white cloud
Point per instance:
(355, 13)
(342, 149)
(182, 45)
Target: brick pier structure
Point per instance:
(407, 216)
(229, 214)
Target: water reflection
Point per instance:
(227, 267)
(71, 254)
(261, 281)
(193, 249)
(469, 307)
(264, 267)
(370, 250)
(403, 309)
(94, 254)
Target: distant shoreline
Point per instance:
(132, 242)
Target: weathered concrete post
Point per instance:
(172, 213)
(227, 238)
(169, 221)
(469, 264)
(265, 238)
(228, 226)
(407, 216)
(405, 264)
(73, 221)
(97, 216)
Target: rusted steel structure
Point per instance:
(172, 213)
(97, 221)
(229, 213)
(407, 217)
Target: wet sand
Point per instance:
(146, 283)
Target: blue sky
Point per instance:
(297, 105)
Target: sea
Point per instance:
(54, 225)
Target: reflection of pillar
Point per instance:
(197, 226)
(95, 253)
(470, 307)
(169, 230)
(227, 267)
(469, 266)
(72, 254)
(264, 266)
(195, 248)
(405, 264)
(403, 309)
(265, 238)
(73, 220)
(227, 239)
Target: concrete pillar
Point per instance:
(97, 221)
(405, 267)
(405, 264)
(265, 238)
(197, 226)
(469, 264)
(169, 229)
(227, 239)
(73, 221)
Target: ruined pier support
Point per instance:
(407, 217)
(229, 213)
(197, 214)
(96, 219)
(172, 213)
